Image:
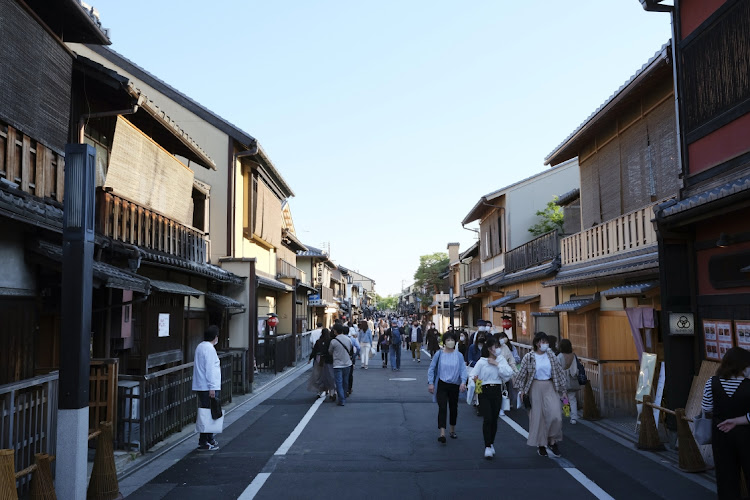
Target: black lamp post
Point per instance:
(77, 283)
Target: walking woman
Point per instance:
(365, 343)
(493, 370)
(384, 344)
(446, 377)
(727, 395)
(321, 378)
(463, 346)
(541, 378)
(433, 343)
(569, 362)
(507, 355)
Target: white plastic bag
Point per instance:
(206, 424)
(505, 404)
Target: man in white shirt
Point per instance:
(315, 334)
(207, 379)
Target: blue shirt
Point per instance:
(365, 337)
(452, 368)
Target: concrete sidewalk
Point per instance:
(179, 444)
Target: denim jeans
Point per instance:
(396, 356)
(342, 382)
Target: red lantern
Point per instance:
(273, 321)
(507, 323)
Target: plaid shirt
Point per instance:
(525, 376)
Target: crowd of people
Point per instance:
(483, 366)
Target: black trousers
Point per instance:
(489, 406)
(204, 401)
(447, 396)
(731, 454)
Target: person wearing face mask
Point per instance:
(475, 349)
(463, 346)
(433, 344)
(446, 377)
(727, 396)
(493, 370)
(542, 379)
(507, 355)
(415, 341)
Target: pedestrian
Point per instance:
(207, 380)
(342, 352)
(365, 343)
(415, 337)
(315, 334)
(356, 350)
(432, 339)
(493, 371)
(507, 355)
(727, 395)
(446, 377)
(394, 332)
(384, 344)
(542, 380)
(463, 346)
(475, 349)
(569, 362)
(553, 344)
(321, 376)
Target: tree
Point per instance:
(389, 303)
(551, 219)
(427, 281)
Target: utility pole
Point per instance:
(75, 333)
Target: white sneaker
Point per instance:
(492, 446)
(488, 453)
(573, 421)
(502, 413)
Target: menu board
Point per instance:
(711, 339)
(742, 333)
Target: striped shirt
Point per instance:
(451, 368)
(729, 385)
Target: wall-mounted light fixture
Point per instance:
(724, 240)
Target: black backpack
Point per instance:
(582, 378)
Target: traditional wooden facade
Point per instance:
(703, 238)
(608, 281)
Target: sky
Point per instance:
(391, 119)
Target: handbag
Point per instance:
(505, 403)
(206, 424)
(702, 428)
(526, 401)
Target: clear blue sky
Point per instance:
(390, 119)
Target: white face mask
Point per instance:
(497, 352)
(543, 347)
(503, 341)
(450, 344)
(463, 337)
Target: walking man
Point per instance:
(395, 334)
(207, 379)
(415, 333)
(341, 350)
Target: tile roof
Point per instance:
(575, 304)
(273, 284)
(207, 270)
(532, 273)
(636, 263)
(30, 209)
(568, 197)
(312, 252)
(525, 299)
(633, 289)
(175, 288)
(503, 300)
(224, 302)
(663, 54)
(672, 207)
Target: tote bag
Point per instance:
(205, 423)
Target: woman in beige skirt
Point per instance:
(541, 378)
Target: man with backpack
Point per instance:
(342, 352)
(395, 334)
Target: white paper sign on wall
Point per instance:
(163, 324)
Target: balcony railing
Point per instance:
(126, 221)
(286, 270)
(628, 232)
(326, 294)
(539, 250)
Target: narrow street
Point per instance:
(382, 444)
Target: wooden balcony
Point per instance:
(326, 294)
(626, 233)
(126, 221)
(285, 269)
(539, 250)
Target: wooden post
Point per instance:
(8, 474)
(42, 486)
(648, 438)
(691, 459)
(103, 484)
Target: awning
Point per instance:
(577, 304)
(460, 300)
(724, 193)
(532, 273)
(632, 290)
(639, 263)
(175, 288)
(273, 284)
(224, 302)
(305, 286)
(526, 299)
(503, 300)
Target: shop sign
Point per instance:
(681, 324)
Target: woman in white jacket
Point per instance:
(493, 370)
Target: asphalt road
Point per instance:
(383, 444)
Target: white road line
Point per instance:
(427, 353)
(566, 465)
(254, 487)
(259, 480)
(300, 427)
